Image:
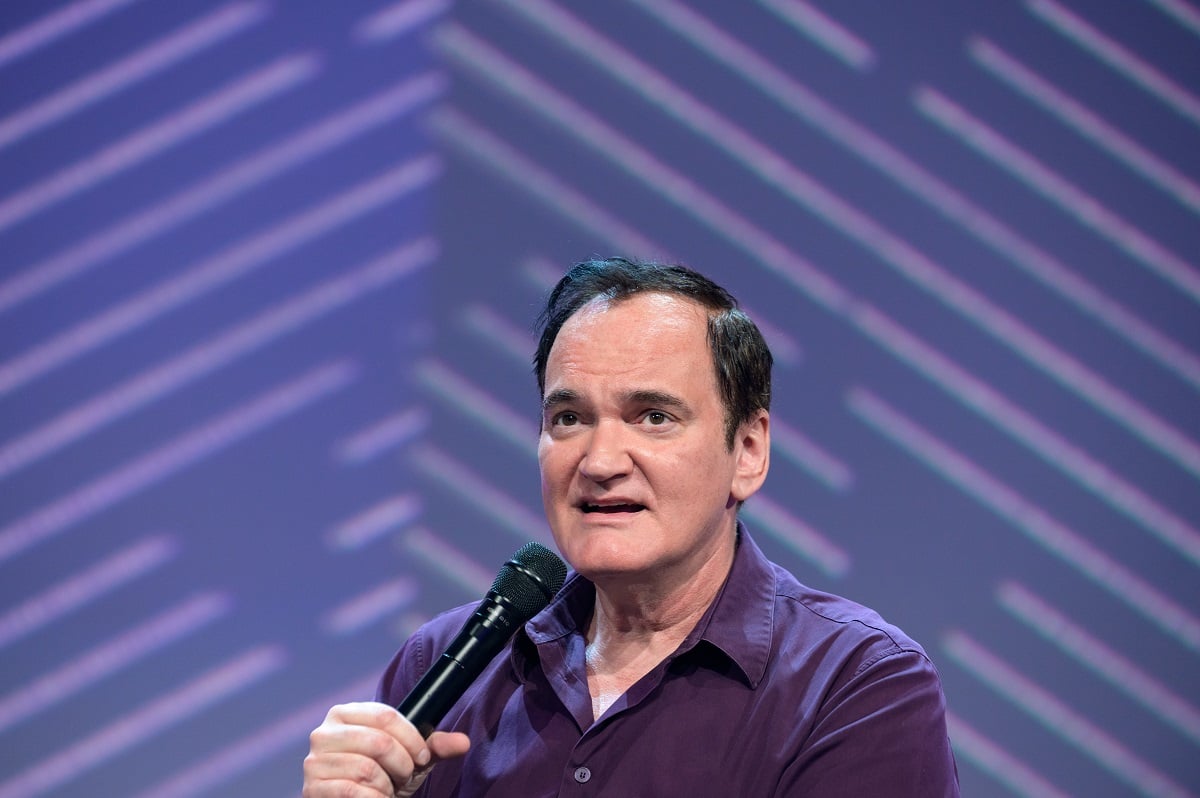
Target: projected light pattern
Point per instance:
(267, 278)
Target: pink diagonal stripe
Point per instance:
(136, 475)
(137, 66)
(236, 97)
(196, 362)
(85, 668)
(82, 588)
(1118, 57)
(873, 149)
(230, 264)
(1119, 581)
(1062, 719)
(271, 161)
(147, 720)
(61, 22)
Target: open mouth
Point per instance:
(613, 508)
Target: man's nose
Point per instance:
(607, 454)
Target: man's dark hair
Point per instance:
(741, 357)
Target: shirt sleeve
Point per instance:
(418, 653)
(404, 671)
(882, 733)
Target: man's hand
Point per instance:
(369, 750)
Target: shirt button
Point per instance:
(582, 775)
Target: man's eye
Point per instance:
(566, 419)
(656, 418)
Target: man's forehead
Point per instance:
(595, 375)
(651, 313)
(655, 301)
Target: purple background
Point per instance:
(268, 273)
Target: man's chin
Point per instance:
(615, 569)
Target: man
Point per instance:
(677, 660)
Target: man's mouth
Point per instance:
(613, 508)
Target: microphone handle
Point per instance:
(477, 643)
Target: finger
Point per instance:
(333, 774)
(378, 735)
(382, 735)
(387, 719)
(448, 745)
(363, 713)
(343, 789)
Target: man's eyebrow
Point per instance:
(658, 398)
(564, 396)
(560, 397)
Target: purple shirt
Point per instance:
(780, 690)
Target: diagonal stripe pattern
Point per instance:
(267, 279)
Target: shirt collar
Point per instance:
(568, 613)
(738, 623)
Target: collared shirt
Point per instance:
(780, 690)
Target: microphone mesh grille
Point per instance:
(530, 579)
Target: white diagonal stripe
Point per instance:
(61, 22)
(1086, 122)
(496, 68)
(199, 361)
(1115, 668)
(88, 667)
(1056, 715)
(1119, 581)
(231, 99)
(139, 725)
(132, 477)
(1084, 208)
(269, 162)
(822, 29)
(137, 66)
(230, 264)
(1117, 56)
(875, 150)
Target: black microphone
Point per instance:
(523, 587)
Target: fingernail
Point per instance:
(423, 757)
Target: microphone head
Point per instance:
(529, 580)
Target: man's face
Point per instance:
(636, 476)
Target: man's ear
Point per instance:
(752, 448)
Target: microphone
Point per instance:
(523, 587)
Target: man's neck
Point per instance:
(636, 626)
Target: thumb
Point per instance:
(440, 747)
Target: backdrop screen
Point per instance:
(268, 276)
